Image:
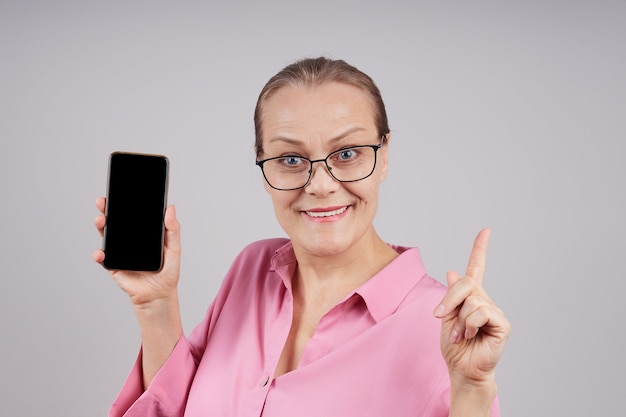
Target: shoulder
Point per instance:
(409, 265)
(264, 248)
(419, 293)
(252, 266)
(258, 255)
(431, 287)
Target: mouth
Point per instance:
(326, 213)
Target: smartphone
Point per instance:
(135, 211)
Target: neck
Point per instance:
(328, 279)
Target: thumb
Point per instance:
(172, 229)
(452, 277)
(442, 310)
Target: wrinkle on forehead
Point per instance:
(322, 139)
(317, 116)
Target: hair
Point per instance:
(315, 72)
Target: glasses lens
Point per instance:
(287, 173)
(352, 164)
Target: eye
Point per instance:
(292, 160)
(291, 163)
(346, 154)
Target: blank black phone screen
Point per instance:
(135, 209)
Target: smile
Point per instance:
(326, 213)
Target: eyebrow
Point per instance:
(335, 139)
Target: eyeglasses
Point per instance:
(292, 172)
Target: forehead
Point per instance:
(321, 111)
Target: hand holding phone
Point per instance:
(145, 287)
(135, 208)
(153, 293)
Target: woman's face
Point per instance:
(326, 217)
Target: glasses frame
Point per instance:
(325, 161)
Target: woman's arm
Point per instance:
(161, 328)
(473, 334)
(471, 398)
(154, 296)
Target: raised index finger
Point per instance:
(478, 256)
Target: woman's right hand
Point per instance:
(148, 288)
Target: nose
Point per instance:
(321, 182)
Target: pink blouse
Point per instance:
(376, 353)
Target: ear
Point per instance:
(383, 157)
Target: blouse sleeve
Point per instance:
(167, 394)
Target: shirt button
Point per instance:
(265, 381)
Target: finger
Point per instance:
(475, 321)
(454, 296)
(473, 315)
(101, 204)
(98, 256)
(172, 229)
(100, 222)
(456, 330)
(452, 277)
(476, 265)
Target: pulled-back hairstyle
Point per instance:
(314, 72)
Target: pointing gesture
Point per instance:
(473, 329)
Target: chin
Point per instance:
(328, 246)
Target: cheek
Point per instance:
(367, 192)
(281, 200)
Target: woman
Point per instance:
(332, 321)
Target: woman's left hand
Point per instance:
(473, 330)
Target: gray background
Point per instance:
(505, 114)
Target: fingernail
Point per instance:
(454, 336)
(439, 310)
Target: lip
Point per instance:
(326, 214)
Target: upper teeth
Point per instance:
(326, 213)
